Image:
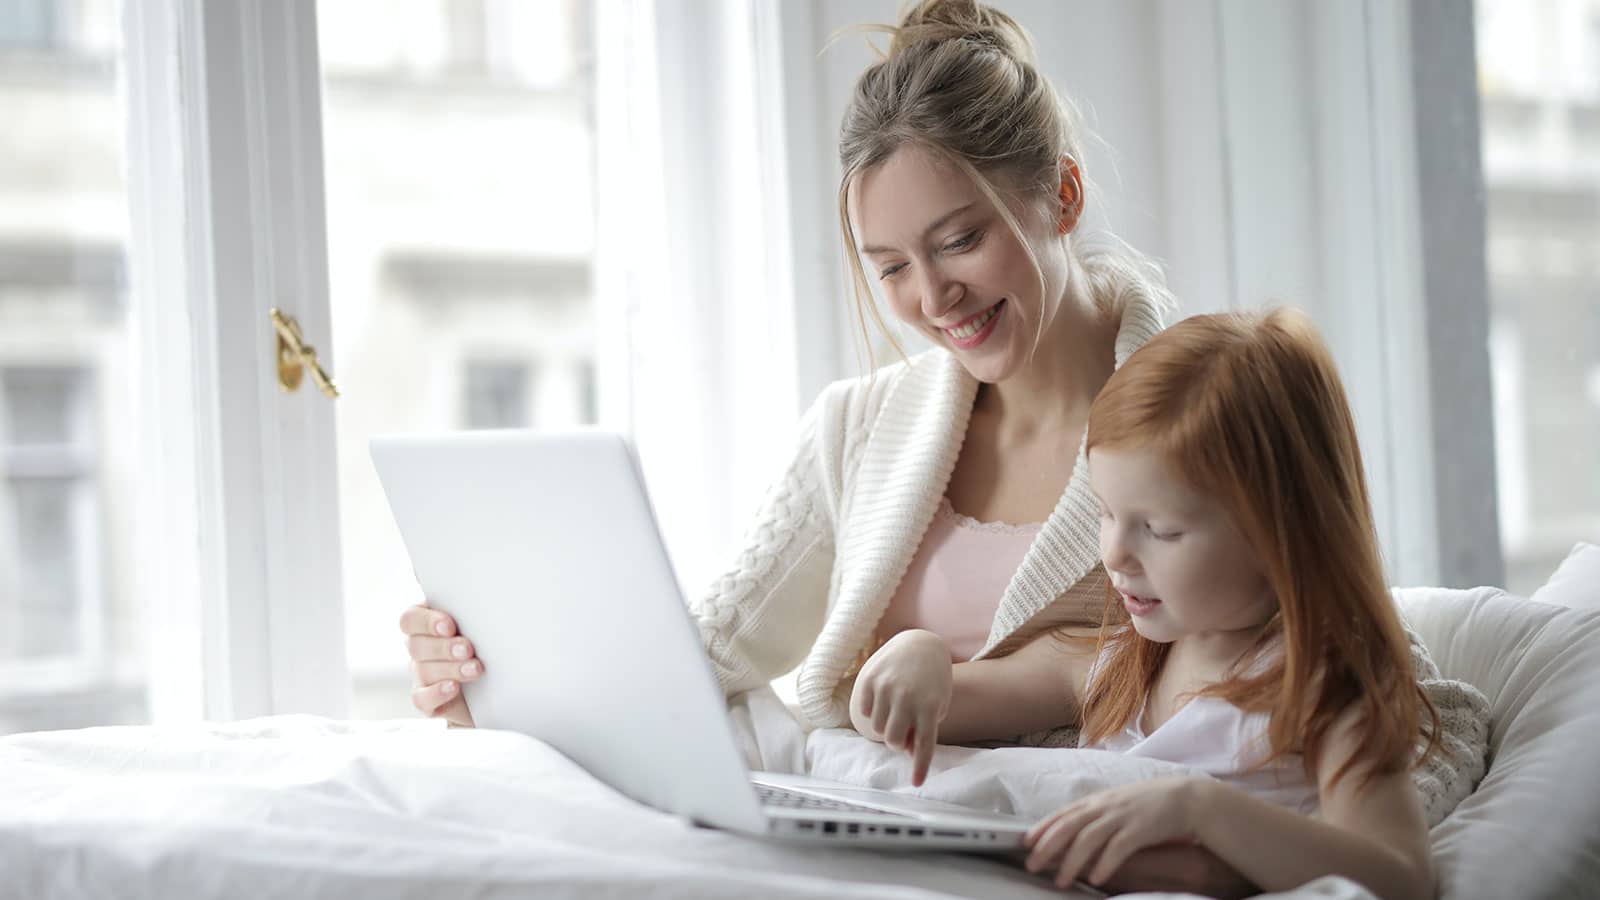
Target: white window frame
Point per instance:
(239, 555)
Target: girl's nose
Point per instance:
(1114, 552)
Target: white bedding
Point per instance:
(303, 807)
(306, 808)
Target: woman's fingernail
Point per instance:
(449, 687)
(459, 651)
(441, 628)
(469, 670)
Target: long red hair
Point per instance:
(1248, 409)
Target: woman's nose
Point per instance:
(939, 294)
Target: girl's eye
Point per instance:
(1161, 535)
(886, 273)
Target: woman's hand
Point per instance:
(440, 660)
(901, 695)
(1093, 837)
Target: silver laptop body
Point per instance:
(545, 549)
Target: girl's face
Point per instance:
(1176, 558)
(950, 267)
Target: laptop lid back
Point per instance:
(544, 548)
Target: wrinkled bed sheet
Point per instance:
(302, 807)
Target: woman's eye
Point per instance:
(890, 271)
(963, 242)
(1160, 535)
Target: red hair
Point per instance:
(1247, 409)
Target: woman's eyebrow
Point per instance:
(937, 224)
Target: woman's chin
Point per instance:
(988, 367)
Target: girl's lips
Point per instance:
(1139, 606)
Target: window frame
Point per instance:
(239, 567)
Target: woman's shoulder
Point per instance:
(907, 383)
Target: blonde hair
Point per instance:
(961, 80)
(1247, 408)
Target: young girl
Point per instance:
(1252, 636)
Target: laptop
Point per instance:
(544, 548)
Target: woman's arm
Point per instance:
(1180, 868)
(1036, 688)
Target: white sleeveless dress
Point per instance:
(1215, 737)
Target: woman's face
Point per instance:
(950, 267)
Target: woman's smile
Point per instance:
(975, 329)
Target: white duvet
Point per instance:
(304, 807)
(307, 808)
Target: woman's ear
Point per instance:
(1071, 196)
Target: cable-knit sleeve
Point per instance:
(759, 619)
(1446, 778)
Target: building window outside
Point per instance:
(497, 395)
(1540, 98)
(49, 467)
(459, 171)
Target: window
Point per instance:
(1541, 151)
(71, 649)
(497, 395)
(459, 149)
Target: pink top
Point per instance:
(957, 578)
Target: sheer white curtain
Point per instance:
(694, 276)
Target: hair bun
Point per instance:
(938, 21)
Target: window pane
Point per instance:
(71, 643)
(1539, 70)
(459, 161)
(45, 619)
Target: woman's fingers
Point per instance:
(926, 735)
(429, 698)
(424, 648)
(900, 721)
(420, 619)
(432, 672)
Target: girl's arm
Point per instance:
(1372, 832)
(1036, 688)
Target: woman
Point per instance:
(961, 195)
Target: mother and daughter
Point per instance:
(1199, 579)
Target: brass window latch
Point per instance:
(295, 356)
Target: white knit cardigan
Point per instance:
(839, 529)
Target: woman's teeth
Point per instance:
(963, 332)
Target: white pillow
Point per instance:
(1576, 582)
(1532, 828)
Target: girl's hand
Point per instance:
(1097, 834)
(902, 694)
(440, 660)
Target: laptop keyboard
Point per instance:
(776, 796)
